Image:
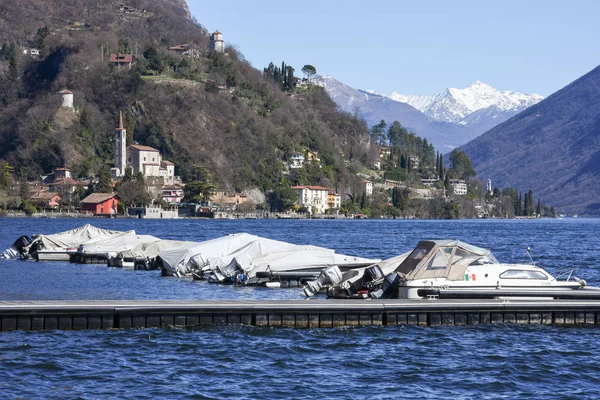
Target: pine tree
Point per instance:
(530, 203)
(538, 210)
(363, 201)
(520, 205)
(441, 169)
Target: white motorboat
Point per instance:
(454, 269)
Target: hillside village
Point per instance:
(337, 168)
(163, 193)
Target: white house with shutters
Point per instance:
(314, 198)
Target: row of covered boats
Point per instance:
(434, 269)
(239, 258)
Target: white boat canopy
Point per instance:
(116, 244)
(443, 259)
(72, 238)
(153, 249)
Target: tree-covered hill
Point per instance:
(552, 148)
(201, 109)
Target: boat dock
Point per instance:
(313, 313)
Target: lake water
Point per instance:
(503, 361)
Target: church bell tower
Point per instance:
(120, 147)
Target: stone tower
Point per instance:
(488, 187)
(67, 98)
(216, 42)
(120, 147)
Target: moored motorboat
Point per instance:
(453, 269)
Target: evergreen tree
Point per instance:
(441, 170)
(104, 182)
(530, 203)
(538, 210)
(520, 205)
(13, 61)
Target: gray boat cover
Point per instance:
(73, 238)
(250, 254)
(116, 244)
(153, 249)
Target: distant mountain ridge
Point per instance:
(552, 148)
(456, 105)
(448, 119)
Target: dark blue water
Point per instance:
(265, 363)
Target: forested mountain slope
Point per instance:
(553, 148)
(208, 109)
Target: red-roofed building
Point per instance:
(314, 198)
(101, 203)
(179, 49)
(45, 199)
(121, 60)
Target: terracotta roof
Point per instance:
(143, 148)
(121, 58)
(166, 162)
(179, 47)
(65, 91)
(43, 195)
(217, 33)
(96, 198)
(310, 187)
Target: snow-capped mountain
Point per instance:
(457, 105)
(448, 119)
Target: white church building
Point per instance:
(139, 158)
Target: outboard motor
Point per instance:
(390, 282)
(371, 277)
(331, 276)
(18, 248)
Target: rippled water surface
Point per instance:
(265, 363)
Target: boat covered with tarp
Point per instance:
(143, 256)
(58, 246)
(247, 259)
(102, 250)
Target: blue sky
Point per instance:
(417, 47)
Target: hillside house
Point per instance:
(368, 186)
(67, 98)
(312, 156)
(334, 201)
(385, 151)
(101, 204)
(121, 60)
(297, 160)
(45, 199)
(414, 161)
(314, 198)
(459, 186)
(179, 49)
(172, 194)
(429, 181)
(228, 200)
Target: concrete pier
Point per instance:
(79, 315)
